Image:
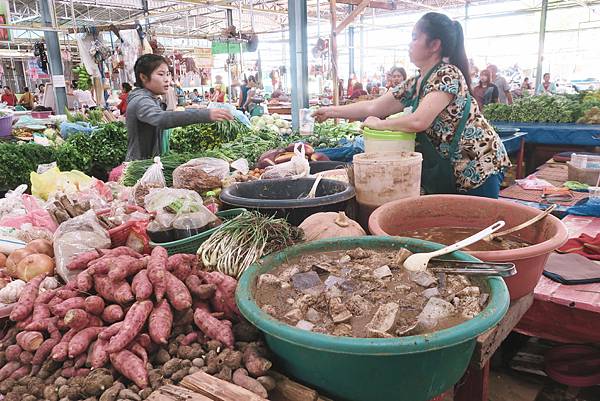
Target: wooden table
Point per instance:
(474, 384)
(516, 144)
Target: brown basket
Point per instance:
(585, 175)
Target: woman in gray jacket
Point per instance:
(145, 117)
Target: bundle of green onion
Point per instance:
(243, 240)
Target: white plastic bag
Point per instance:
(77, 235)
(296, 168)
(177, 201)
(152, 178)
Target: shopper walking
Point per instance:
(461, 151)
(485, 92)
(8, 97)
(546, 87)
(145, 117)
(504, 95)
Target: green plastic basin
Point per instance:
(388, 135)
(415, 368)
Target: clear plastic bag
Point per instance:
(80, 234)
(201, 174)
(174, 201)
(35, 215)
(152, 178)
(189, 224)
(298, 167)
(12, 203)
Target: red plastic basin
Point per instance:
(394, 218)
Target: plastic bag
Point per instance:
(174, 201)
(43, 185)
(80, 234)
(532, 182)
(241, 165)
(138, 237)
(200, 175)
(35, 215)
(190, 224)
(152, 178)
(12, 203)
(298, 167)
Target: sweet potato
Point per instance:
(120, 251)
(124, 267)
(141, 286)
(26, 357)
(130, 366)
(101, 266)
(177, 293)
(41, 324)
(189, 338)
(123, 294)
(81, 260)
(112, 313)
(8, 369)
(40, 310)
(24, 323)
(94, 321)
(13, 352)
(213, 328)
(104, 287)
(139, 351)
(42, 353)
(62, 308)
(157, 267)
(24, 306)
(61, 350)
(199, 290)
(99, 356)
(182, 265)
(72, 372)
(79, 362)
(85, 281)
(67, 293)
(30, 340)
(76, 319)
(21, 372)
(144, 340)
(94, 305)
(224, 299)
(110, 331)
(241, 378)
(255, 364)
(160, 323)
(44, 297)
(132, 324)
(82, 340)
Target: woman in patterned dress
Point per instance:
(461, 151)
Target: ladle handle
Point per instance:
(529, 222)
(470, 240)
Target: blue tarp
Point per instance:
(588, 208)
(67, 128)
(346, 151)
(557, 134)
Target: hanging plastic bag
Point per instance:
(152, 178)
(297, 167)
(80, 234)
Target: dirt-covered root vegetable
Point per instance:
(97, 382)
(157, 267)
(177, 293)
(122, 292)
(268, 382)
(8, 369)
(241, 378)
(224, 298)
(26, 357)
(99, 356)
(119, 251)
(112, 393)
(189, 338)
(82, 340)
(182, 265)
(125, 266)
(141, 286)
(199, 290)
(30, 340)
(13, 352)
(21, 372)
(254, 362)
(77, 319)
(160, 323)
(81, 260)
(85, 281)
(219, 330)
(74, 372)
(24, 306)
(130, 366)
(112, 313)
(132, 324)
(66, 305)
(94, 305)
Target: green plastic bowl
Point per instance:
(415, 368)
(388, 135)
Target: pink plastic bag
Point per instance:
(36, 216)
(532, 182)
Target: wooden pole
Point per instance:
(333, 51)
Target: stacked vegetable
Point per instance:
(133, 313)
(197, 138)
(272, 122)
(282, 155)
(84, 79)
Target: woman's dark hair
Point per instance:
(450, 34)
(486, 73)
(25, 89)
(146, 65)
(401, 70)
(126, 87)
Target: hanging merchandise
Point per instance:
(39, 50)
(84, 44)
(130, 51)
(99, 51)
(84, 80)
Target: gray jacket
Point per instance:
(146, 120)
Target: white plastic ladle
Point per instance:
(419, 261)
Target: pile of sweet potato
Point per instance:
(121, 308)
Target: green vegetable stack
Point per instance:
(201, 137)
(84, 80)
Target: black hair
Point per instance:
(6, 87)
(548, 74)
(74, 83)
(126, 87)
(146, 65)
(400, 70)
(451, 36)
(25, 89)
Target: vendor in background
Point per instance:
(219, 90)
(526, 85)
(546, 87)
(146, 119)
(125, 89)
(8, 97)
(39, 93)
(485, 92)
(397, 76)
(358, 91)
(461, 151)
(27, 100)
(504, 95)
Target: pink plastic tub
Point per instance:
(468, 211)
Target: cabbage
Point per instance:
(274, 128)
(276, 116)
(268, 119)
(280, 123)
(254, 119)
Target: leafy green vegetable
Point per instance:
(201, 137)
(17, 161)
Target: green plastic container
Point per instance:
(388, 141)
(191, 244)
(415, 368)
